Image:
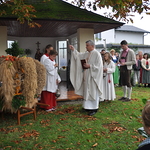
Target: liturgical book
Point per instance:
(83, 61)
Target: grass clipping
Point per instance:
(23, 75)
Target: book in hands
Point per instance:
(83, 61)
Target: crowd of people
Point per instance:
(142, 65)
(126, 69)
(96, 78)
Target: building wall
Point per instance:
(30, 43)
(3, 40)
(144, 50)
(114, 36)
(130, 37)
(109, 35)
(82, 36)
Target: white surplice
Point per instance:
(51, 75)
(88, 82)
(108, 83)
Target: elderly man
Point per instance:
(126, 60)
(87, 79)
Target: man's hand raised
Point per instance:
(71, 47)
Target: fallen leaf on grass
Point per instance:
(66, 110)
(63, 118)
(30, 134)
(95, 145)
(134, 99)
(36, 144)
(54, 141)
(7, 147)
(59, 137)
(17, 142)
(114, 126)
(139, 139)
(89, 141)
(65, 130)
(9, 130)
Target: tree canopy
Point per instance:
(122, 10)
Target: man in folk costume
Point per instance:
(126, 60)
(87, 82)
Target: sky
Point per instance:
(143, 23)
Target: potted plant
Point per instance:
(15, 50)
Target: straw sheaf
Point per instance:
(7, 90)
(2, 60)
(29, 84)
(41, 76)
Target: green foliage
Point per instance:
(27, 51)
(121, 10)
(15, 50)
(144, 100)
(18, 101)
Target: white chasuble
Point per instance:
(87, 82)
(108, 83)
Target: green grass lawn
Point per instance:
(114, 127)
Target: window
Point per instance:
(62, 50)
(9, 43)
(98, 36)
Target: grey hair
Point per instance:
(90, 42)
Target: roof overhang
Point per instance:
(52, 28)
(57, 19)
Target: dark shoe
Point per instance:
(126, 100)
(92, 113)
(122, 98)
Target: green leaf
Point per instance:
(144, 100)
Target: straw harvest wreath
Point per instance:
(22, 79)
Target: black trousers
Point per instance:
(125, 76)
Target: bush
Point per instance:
(15, 50)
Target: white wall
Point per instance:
(84, 34)
(30, 43)
(144, 50)
(109, 35)
(114, 36)
(3, 40)
(130, 37)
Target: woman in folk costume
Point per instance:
(108, 83)
(140, 53)
(116, 73)
(53, 79)
(145, 63)
(48, 48)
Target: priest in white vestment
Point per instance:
(87, 82)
